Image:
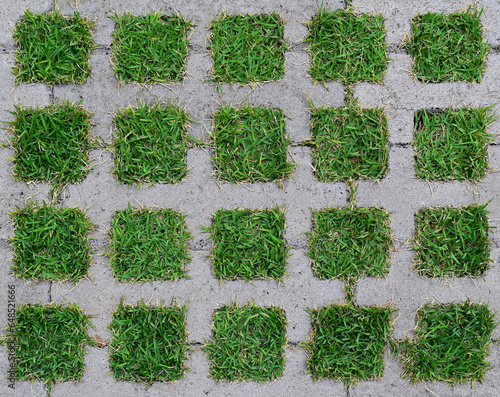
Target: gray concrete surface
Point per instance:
(200, 195)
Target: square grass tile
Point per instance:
(50, 243)
(52, 48)
(148, 245)
(452, 144)
(347, 47)
(248, 244)
(349, 143)
(452, 242)
(348, 343)
(448, 47)
(149, 343)
(150, 49)
(349, 243)
(248, 48)
(248, 343)
(150, 144)
(250, 144)
(450, 345)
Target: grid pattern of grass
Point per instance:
(248, 343)
(448, 47)
(450, 345)
(452, 144)
(347, 47)
(150, 49)
(452, 242)
(52, 48)
(149, 344)
(248, 48)
(150, 144)
(148, 245)
(349, 143)
(50, 243)
(347, 343)
(250, 144)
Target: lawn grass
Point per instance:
(450, 345)
(347, 342)
(247, 49)
(452, 242)
(250, 144)
(149, 343)
(50, 243)
(248, 244)
(346, 46)
(150, 144)
(452, 143)
(52, 48)
(248, 343)
(448, 47)
(150, 49)
(148, 245)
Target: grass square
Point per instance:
(347, 47)
(150, 49)
(150, 144)
(248, 343)
(452, 143)
(450, 345)
(52, 48)
(452, 242)
(348, 243)
(448, 47)
(250, 144)
(148, 245)
(248, 244)
(50, 243)
(248, 48)
(149, 344)
(348, 342)
(349, 143)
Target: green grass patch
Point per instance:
(450, 345)
(150, 144)
(452, 144)
(248, 343)
(149, 343)
(150, 49)
(448, 47)
(248, 48)
(52, 48)
(452, 242)
(50, 243)
(250, 144)
(148, 245)
(347, 47)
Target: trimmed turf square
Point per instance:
(452, 242)
(348, 343)
(148, 245)
(448, 47)
(50, 243)
(248, 244)
(150, 144)
(248, 343)
(250, 144)
(451, 343)
(150, 49)
(52, 48)
(452, 144)
(148, 343)
(347, 47)
(248, 49)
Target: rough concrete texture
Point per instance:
(200, 195)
